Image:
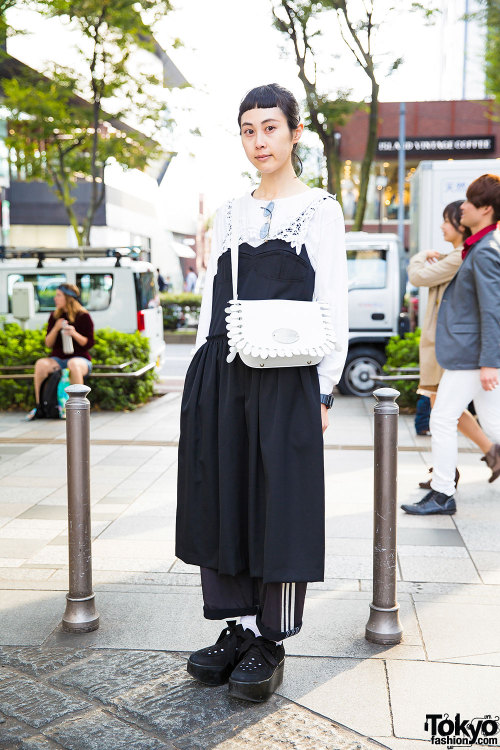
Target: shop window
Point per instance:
(382, 196)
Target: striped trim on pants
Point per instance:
(278, 606)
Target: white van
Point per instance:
(376, 266)
(119, 292)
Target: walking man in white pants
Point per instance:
(468, 348)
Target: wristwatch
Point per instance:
(327, 400)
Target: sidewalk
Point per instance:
(149, 602)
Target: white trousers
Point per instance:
(456, 390)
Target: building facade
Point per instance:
(434, 130)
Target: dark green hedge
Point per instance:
(177, 306)
(18, 347)
(403, 352)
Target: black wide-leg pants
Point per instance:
(278, 606)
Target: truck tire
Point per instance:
(361, 364)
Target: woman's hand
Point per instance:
(324, 417)
(432, 255)
(70, 330)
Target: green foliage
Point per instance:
(120, 394)
(404, 352)
(61, 138)
(178, 307)
(18, 347)
(492, 56)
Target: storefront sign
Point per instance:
(449, 145)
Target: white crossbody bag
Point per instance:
(276, 332)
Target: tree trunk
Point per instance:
(333, 167)
(371, 144)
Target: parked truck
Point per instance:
(376, 265)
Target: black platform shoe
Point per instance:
(259, 671)
(213, 665)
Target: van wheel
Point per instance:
(360, 367)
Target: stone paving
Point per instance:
(60, 690)
(84, 699)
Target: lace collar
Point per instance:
(292, 227)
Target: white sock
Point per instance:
(250, 622)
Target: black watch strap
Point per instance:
(327, 400)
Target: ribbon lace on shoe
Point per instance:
(254, 650)
(230, 635)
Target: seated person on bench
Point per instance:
(70, 336)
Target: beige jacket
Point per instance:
(436, 276)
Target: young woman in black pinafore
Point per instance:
(250, 508)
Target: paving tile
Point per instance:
(352, 692)
(10, 531)
(11, 510)
(28, 617)
(480, 534)
(107, 673)
(38, 661)
(273, 725)
(100, 730)
(485, 560)
(39, 743)
(349, 566)
(439, 569)
(25, 574)
(447, 628)
(397, 743)
(30, 701)
(20, 547)
(172, 621)
(178, 705)
(113, 548)
(409, 550)
(491, 577)
(12, 562)
(18, 494)
(335, 626)
(406, 521)
(420, 688)
(12, 732)
(46, 512)
(355, 547)
(429, 537)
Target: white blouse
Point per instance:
(304, 219)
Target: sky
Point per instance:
(230, 46)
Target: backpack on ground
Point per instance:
(49, 407)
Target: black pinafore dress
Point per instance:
(250, 471)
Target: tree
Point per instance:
(324, 113)
(491, 15)
(59, 127)
(357, 22)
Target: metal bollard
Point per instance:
(383, 624)
(80, 615)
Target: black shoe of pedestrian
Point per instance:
(492, 458)
(259, 671)
(433, 503)
(427, 485)
(213, 665)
